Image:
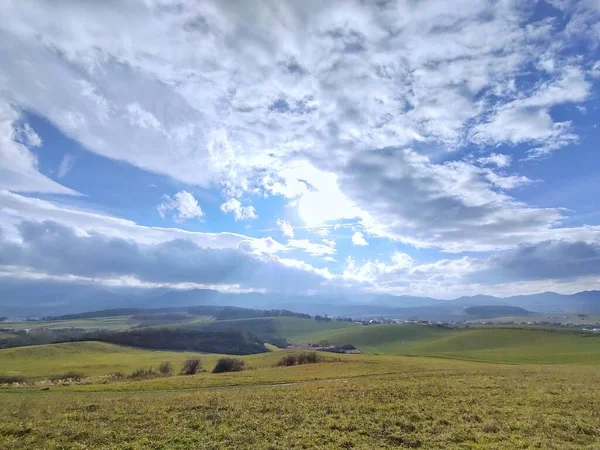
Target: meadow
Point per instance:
(292, 328)
(412, 387)
(96, 323)
(514, 345)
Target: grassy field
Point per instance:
(359, 402)
(378, 399)
(489, 344)
(106, 323)
(90, 358)
(293, 328)
(498, 345)
(568, 319)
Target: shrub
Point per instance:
(10, 379)
(301, 358)
(229, 365)
(308, 358)
(165, 368)
(288, 360)
(143, 374)
(191, 366)
(69, 376)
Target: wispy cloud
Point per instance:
(66, 164)
(286, 228)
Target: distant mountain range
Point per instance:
(41, 298)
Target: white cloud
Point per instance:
(380, 273)
(595, 71)
(496, 159)
(14, 208)
(183, 205)
(366, 77)
(239, 212)
(138, 116)
(286, 228)
(308, 101)
(66, 164)
(18, 164)
(359, 239)
(323, 232)
(328, 242)
(312, 248)
(29, 137)
(505, 182)
(528, 119)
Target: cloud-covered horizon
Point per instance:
(434, 148)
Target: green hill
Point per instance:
(507, 345)
(91, 358)
(99, 358)
(292, 328)
(95, 323)
(375, 338)
(493, 311)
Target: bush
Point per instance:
(69, 376)
(143, 374)
(308, 358)
(165, 368)
(10, 379)
(301, 358)
(191, 366)
(288, 360)
(229, 365)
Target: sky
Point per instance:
(427, 148)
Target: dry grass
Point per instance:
(421, 405)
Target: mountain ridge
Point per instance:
(44, 298)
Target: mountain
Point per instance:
(586, 302)
(41, 298)
(478, 300)
(405, 301)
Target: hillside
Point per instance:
(507, 345)
(346, 401)
(90, 358)
(99, 358)
(375, 338)
(285, 327)
(492, 311)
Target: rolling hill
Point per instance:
(492, 311)
(285, 327)
(487, 344)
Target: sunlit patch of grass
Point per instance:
(340, 401)
(423, 404)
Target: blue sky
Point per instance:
(422, 148)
